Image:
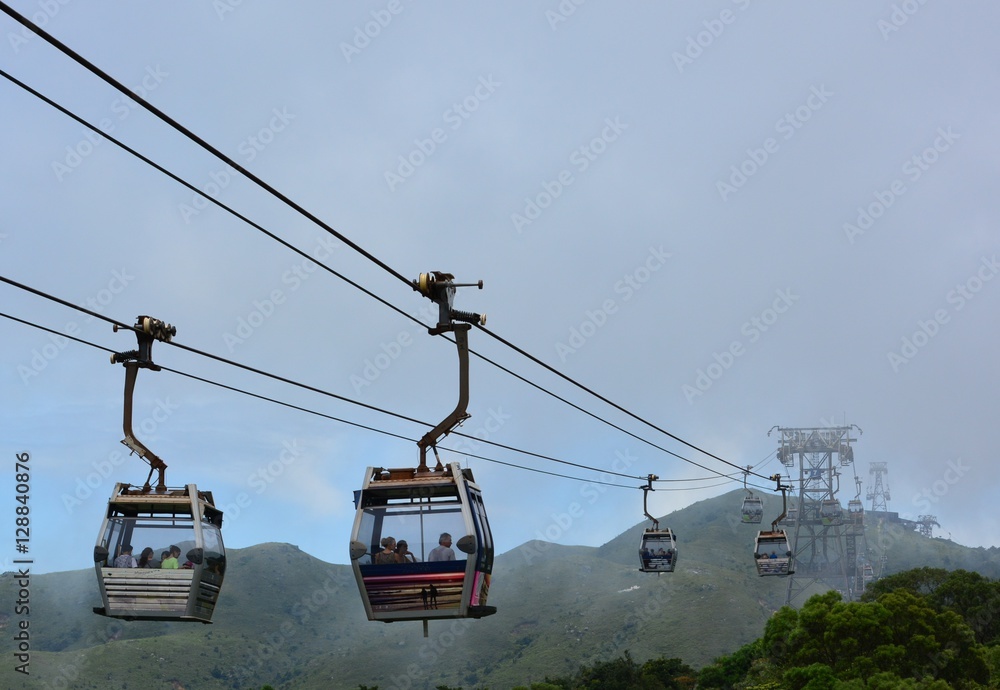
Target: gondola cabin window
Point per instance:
(420, 526)
(432, 578)
(162, 533)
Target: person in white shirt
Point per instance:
(443, 551)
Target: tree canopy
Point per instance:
(926, 628)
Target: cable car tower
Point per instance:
(926, 524)
(821, 535)
(879, 493)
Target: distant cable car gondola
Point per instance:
(752, 511)
(183, 523)
(856, 511)
(772, 551)
(658, 548)
(427, 509)
(831, 512)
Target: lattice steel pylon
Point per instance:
(879, 493)
(821, 535)
(926, 524)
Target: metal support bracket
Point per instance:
(147, 329)
(440, 289)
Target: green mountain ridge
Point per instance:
(290, 620)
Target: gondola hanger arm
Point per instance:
(439, 287)
(645, 492)
(147, 329)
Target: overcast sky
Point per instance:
(723, 216)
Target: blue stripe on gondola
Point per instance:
(368, 569)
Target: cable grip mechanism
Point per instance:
(147, 329)
(439, 287)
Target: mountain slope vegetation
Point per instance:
(290, 620)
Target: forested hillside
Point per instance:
(292, 621)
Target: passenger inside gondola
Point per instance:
(403, 553)
(170, 562)
(388, 553)
(443, 551)
(126, 560)
(146, 559)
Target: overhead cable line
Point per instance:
(298, 251)
(312, 217)
(292, 382)
(176, 178)
(609, 402)
(367, 427)
(94, 69)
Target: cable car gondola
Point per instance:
(830, 512)
(752, 511)
(430, 512)
(772, 552)
(856, 511)
(182, 522)
(658, 548)
(431, 509)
